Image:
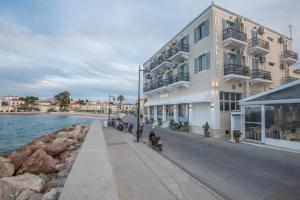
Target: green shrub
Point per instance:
(159, 121)
(171, 122)
(206, 127)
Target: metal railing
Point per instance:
(258, 73)
(179, 47)
(259, 42)
(289, 54)
(180, 77)
(236, 69)
(232, 33)
(288, 79)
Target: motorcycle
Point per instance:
(154, 140)
(130, 127)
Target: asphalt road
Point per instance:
(235, 171)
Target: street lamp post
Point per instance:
(109, 96)
(138, 106)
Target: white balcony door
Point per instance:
(255, 63)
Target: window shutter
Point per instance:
(196, 65)
(206, 28)
(208, 60)
(239, 59)
(226, 61)
(195, 35)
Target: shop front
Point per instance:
(273, 117)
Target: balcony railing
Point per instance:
(261, 74)
(180, 77)
(179, 47)
(289, 54)
(256, 42)
(236, 69)
(232, 33)
(288, 79)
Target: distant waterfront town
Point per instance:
(11, 104)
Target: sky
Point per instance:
(93, 48)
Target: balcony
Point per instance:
(259, 76)
(289, 57)
(146, 88)
(160, 86)
(180, 80)
(236, 72)
(258, 47)
(180, 52)
(161, 63)
(288, 79)
(234, 38)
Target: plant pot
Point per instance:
(237, 140)
(206, 133)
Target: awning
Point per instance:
(204, 97)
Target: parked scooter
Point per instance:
(154, 140)
(178, 125)
(140, 130)
(130, 127)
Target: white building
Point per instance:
(203, 72)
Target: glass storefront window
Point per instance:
(283, 122)
(253, 123)
(170, 112)
(159, 111)
(183, 112)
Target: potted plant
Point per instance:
(159, 122)
(171, 124)
(237, 135)
(206, 129)
(186, 126)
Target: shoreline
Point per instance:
(45, 161)
(76, 114)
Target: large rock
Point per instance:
(54, 148)
(78, 133)
(25, 181)
(36, 196)
(48, 138)
(65, 141)
(19, 156)
(25, 194)
(7, 190)
(54, 183)
(39, 162)
(53, 194)
(6, 167)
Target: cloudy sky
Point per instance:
(93, 47)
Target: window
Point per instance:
(146, 110)
(255, 63)
(202, 62)
(229, 101)
(159, 111)
(201, 31)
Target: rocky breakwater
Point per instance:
(38, 170)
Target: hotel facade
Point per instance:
(203, 72)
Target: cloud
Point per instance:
(93, 48)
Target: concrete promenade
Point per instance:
(111, 166)
(91, 176)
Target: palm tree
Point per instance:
(120, 98)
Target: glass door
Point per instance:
(253, 123)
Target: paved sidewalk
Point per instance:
(143, 174)
(91, 176)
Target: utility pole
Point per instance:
(109, 96)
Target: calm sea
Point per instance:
(16, 130)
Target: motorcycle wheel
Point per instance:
(160, 147)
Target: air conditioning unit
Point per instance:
(281, 39)
(283, 65)
(261, 30)
(262, 59)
